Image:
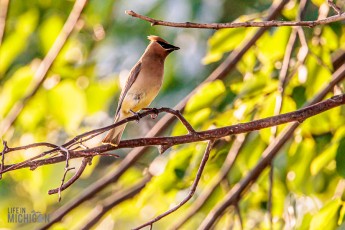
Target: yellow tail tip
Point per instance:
(109, 143)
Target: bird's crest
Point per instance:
(154, 38)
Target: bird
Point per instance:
(142, 86)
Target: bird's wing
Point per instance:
(131, 79)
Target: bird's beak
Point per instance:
(172, 48)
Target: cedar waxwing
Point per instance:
(142, 86)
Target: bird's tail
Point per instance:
(114, 135)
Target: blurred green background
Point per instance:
(82, 89)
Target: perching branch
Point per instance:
(217, 26)
(66, 148)
(299, 116)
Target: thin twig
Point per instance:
(63, 181)
(238, 212)
(41, 73)
(334, 6)
(217, 26)
(63, 186)
(30, 146)
(4, 143)
(207, 192)
(191, 192)
(114, 200)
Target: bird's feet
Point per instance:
(138, 117)
(156, 112)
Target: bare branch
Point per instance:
(41, 73)
(217, 26)
(207, 192)
(191, 192)
(299, 116)
(63, 181)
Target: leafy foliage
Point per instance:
(80, 91)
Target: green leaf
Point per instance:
(327, 217)
(340, 158)
(330, 38)
(49, 31)
(205, 96)
(67, 104)
(14, 89)
(318, 3)
(268, 110)
(34, 112)
(100, 93)
(318, 75)
(323, 159)
(201, 116)
(268, 54)
(223, 41)
(15, 42)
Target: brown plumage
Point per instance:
(142, 86)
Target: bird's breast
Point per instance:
(144, 89)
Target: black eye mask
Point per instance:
(167, 46)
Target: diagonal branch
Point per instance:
(217, 26)
(191, 192)
(41, 73)
(296, 116)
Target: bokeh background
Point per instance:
(81, 91)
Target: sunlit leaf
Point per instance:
(340, 158)
(49, 31)
(16, 42)
(330, 38)
(327, 217)
(15, 88)
(67, 104)
(268, 54)
(205, 96)
(99, 94)
(223, 41)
